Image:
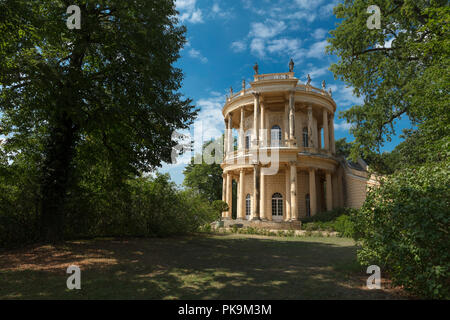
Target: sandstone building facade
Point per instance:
(292, 125)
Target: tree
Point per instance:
(404, 228)
(205, 178)
(109, 86)
(401, 70)
(343, 148)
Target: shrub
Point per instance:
(326, 215)
(344, 225)
(403, 227)
(338, 220)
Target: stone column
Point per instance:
(312, 191)
(262, 202)
(225, 138)
(329, 192)
(241, 130)
(224, 193)
(262, 126)
(256, 184)
(288, 193)
(286, 123)
(230, 134)
(229, 195)
(294, 211)
(255, 119)
(332, 142)
(292, 118)
(326, 137)
(310, 125)
(241, 203)
(238, 200)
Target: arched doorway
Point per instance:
(277, 207)
(248, 206)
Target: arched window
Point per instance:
(305, 137)
(247, 140)
(308, 206)
(275, 136)
(277, 206)
(248, 206)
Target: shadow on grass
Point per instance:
(218, 267)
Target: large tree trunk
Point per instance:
(56, 171)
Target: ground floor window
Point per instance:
(277, 205)
(248, 205)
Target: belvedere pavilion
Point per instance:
(292, 124)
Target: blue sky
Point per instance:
(226, 38)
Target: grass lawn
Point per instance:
(227, 266)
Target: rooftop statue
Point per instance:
(291, 66)
(256, 68)
(324, 85)
(308, 80)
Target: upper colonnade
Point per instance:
(303, 115)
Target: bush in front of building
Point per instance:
(403, 227)
(337, 220)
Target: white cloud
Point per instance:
(317, 49)
(193, 53)
(284, 44)
(218, 12)
(315, 73)
(188, 11)
(302, 15)
(327, 10)
(319, 34)
(239, 46)
(257, 47)
(308, 4)
(343, 126)
(210, 116)
(269, 29)
(344, 96)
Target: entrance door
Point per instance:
(277, 207)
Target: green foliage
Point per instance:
(408, 78)
(220, 206)
(404, 228)
(343, 148)
(337, 220)
(137, 207)
(326, 216)
(204, 178)
(108, 90)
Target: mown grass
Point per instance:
(229, 266)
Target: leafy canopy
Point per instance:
(113, 79)
(401, 70)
